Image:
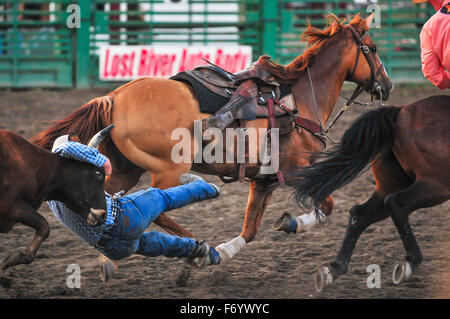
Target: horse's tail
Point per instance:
(370, 135)
(83, 122)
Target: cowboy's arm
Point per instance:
(432, 67)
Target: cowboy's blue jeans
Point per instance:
(138, 210)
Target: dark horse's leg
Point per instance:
(423, 193)
(361, 217)
(390, 178)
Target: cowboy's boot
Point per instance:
(242, 105)
(203, 255)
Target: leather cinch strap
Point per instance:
(274, 141)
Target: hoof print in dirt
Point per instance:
(5, 282)
(183, 276)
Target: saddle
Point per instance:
(223, 83)
(214, 86)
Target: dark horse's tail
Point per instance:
(371, 134)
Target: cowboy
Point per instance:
(127, 217)
(435, 44)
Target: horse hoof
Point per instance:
(286, 223)
(323, 278)
(401, 273)
(107, 271)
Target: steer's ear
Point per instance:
(74, 138)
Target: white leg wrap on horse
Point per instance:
(231, 248)
(308, 221)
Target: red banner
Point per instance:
(118, 63)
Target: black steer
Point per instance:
(30, 175)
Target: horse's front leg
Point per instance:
(305, 222)
(258, 199)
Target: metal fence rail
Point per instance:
(35, 44)
(37, 49)
(397, 38)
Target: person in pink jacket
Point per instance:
(435, 44)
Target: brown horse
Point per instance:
(146, 111)
(409, 148)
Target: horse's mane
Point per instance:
(316, 39)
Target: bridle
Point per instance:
(373, 84)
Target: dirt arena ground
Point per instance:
(275, 265)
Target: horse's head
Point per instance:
(364, 65)
(342, 49)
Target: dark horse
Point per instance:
(409, 148)
(147, 111)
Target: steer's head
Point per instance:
(83, 177)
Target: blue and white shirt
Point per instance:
(78, 224)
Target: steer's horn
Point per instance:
(97, 138)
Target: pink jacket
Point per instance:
(435, 45)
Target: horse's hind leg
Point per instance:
(423, 193)
(390, 178)
(361, 217)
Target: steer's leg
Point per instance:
(258, 199)
(29, 217)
